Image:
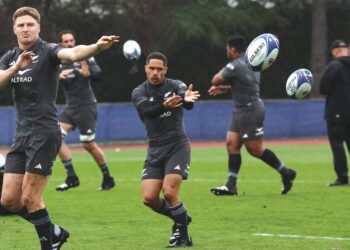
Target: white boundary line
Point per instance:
(300, 236)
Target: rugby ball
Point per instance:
(262, 52)
(131, 50)
(299, 83)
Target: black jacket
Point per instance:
(335, 85)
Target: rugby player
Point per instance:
(247, 121)
(32, 70)
(160, 102)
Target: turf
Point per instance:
(117, 219)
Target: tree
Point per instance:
(318, 42)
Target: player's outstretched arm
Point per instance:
(82, 52)
(24, 59)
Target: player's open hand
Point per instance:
(190, 95)
(174, 101)
(105, 42)
(65, 73)
(24, 59)
(218, 90)
(84, 70)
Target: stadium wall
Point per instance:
(207, 121)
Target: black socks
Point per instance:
(234, 164)
(41, 220)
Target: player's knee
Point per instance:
(169, 193)
(256, 152)
(10, 204)
(150, 201)
(232, 148)
(87, 146)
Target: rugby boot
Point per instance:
(107, 183)
(175, 235)
(70, 182)
(224, 190)
(287, 180)
(181, 243)
(58, 239)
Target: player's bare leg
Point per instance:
(257, 149)
(96, 152)
(169, 206)
(65, 156)
(22, 194)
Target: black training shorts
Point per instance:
(84, 117)
(248, 121)
(173, 158)
(34, 154)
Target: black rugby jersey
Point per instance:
(166, 126)
(245, 83)
(77, 88)
(34, 89)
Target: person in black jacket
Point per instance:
(335, 85)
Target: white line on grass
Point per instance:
(300, 236)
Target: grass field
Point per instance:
(311, 216)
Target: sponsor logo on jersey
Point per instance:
(21, 72)
(230, 66)
(165, 114)
(21, 79)
(167, 94)
(151, 99)
(245, 136)
(35, 59)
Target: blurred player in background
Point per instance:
(335, 85)
(32, 70)
(246, 126)
(3, 211)
(160, 102)
(81, 112)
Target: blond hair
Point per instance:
(26, 11)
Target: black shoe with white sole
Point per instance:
(224, 190)
(60, 239)
(181, 243)
(70, 182)
(175, 235)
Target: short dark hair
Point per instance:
(63, 32)
(238, 42)
(157, 55)
(24, 11)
